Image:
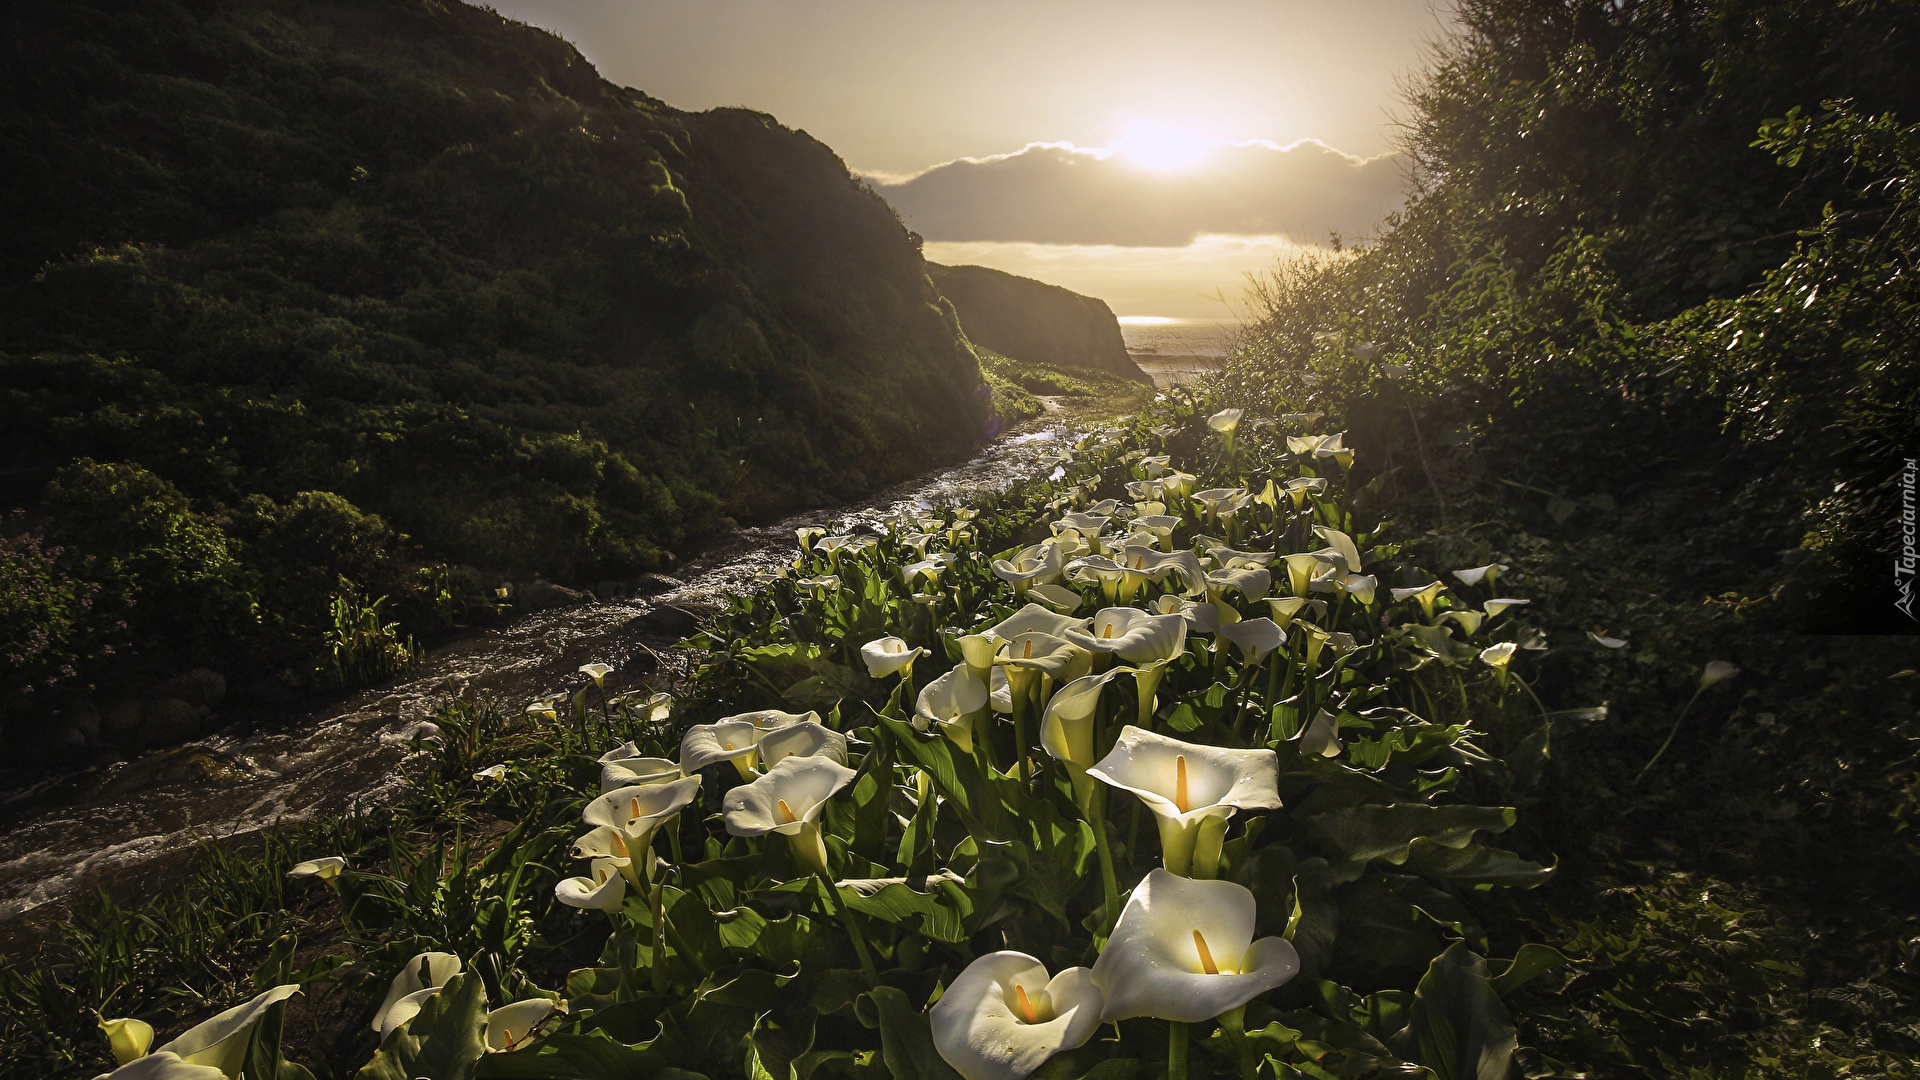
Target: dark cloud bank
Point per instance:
(1059, 195)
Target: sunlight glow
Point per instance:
(1161, 146)
(1145, 320)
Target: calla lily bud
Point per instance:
(597, 672)
(809, 738)
(523, 1023)
(1184, 951)
(325, 869)
(788, 800)
(163, 1065)
(1255, 638)
(222, 1041)
(1717, 671)
(1184, 784)
(427, 970)
(128, 1037)
(952, 701)
(1476, 575)
(889, 656)
(1002, 1017)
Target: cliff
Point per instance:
(1031, 320)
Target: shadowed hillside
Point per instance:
(1033, 321)
(283, 281)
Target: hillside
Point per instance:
(297, 289)
(1034, 321)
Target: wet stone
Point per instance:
(666, 620)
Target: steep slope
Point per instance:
(1034, 321)
(426, 260)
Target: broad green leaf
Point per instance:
(1475, 864)
(1531, 962)
(1364, 833)
(931, 914)
(443, 1042)
(906, 1040)
(593, 1056)
(1457, 1026)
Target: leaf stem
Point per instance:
(839, 911)
(1176, 1050)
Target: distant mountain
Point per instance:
(425, 260)
(1031, 320)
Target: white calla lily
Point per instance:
(1098, 570)
(1287, 608)
(889, 656)
(1717, 671)
(1033, 619)
(1201, 618)
(1002, 1017)
(1251, 582)
(1158, 566)
(427, 970)
(1495, 607)
(953, 701)
(808, 738)
(637, 772)
(1425, 594)
(597, 672)
(635, 814)
(1469, 620)
(1474, 576)
(523, 1023)
(1225, 422)
(737, 741)
(127, 1036)
(326, 869)
(1184, 951)
(1322, 736)
(1224, 556)
(1301, 568)
(1300, 487)
(222, 1041)
(1088, 525)
(788, 800)
(603, 889)
(1255, 638)
(404, 1010)
(1605, 640)
(1187, 785)
(1066, 728)
(1040, 564)
(1058, 597)
(1133, 635)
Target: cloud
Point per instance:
(1205, 279)
(1057, 193)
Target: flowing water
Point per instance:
(122, 821)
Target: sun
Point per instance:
(1162, 146)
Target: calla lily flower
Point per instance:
(1101, 570)
(737, 741)
(222, 1041)
(1184, 951)
(426, 971)
(1058, 597)
(1255, 638)
(1220, 503)
(788, 800)
(1300, 417)
(1487, 573)
(1159, 526)
(1178, 485)
(1000, 692)
(1335, 447)
(977, 652)
(1604, 640)
(1495, 607)
(1066, 729)
(1225, 422)
(1002, 1017)
(1322, 736)
(325, 869)
(637, 772)
(1301, 568)
(1302, 486)
(597, 672)
(1032, 619)
(1717, 671)
(1425, 594)
(492, 773)
(1287, 608)
(1341, 543)
(952, 701)
(1251, 582)
(1469, 620)
(807, 536)
(1036, 565)
(603, 890)
(809, 738)
(1224, 556)
(127, 1036)
(1085, 524)
(1200, 618)
(1361, 587)
(523, 1023)
(820, 584)
(1160, 565)
(1133, 635)
(634, 814)
(1303, 444)
(930, 569)
(889, 656)
(164, 1065)
(1186, 784)
(1030, 656)
(541, 710)
(1498, 657)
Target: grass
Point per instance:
(1086, 393)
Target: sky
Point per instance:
(1151, 154)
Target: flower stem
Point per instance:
(1097, 816)
(1176, 1050)
(846, 918)
(1675, 730)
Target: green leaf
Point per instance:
(1531, 962)
(922, 913)
(1475, 864)
(441, 1043)
(593, 1056)
(1364, 833)
(906, 1040)
(1457, 1026)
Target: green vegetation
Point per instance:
(1087, 393)
(1392, 723)
(302, 290)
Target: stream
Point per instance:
(125, 821)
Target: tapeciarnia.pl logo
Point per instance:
(1904, 566)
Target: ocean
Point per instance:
(1179, 350)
